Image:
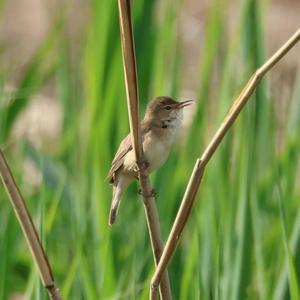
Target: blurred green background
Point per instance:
(63, 113)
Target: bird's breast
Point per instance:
(157, 148)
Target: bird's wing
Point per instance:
(124, 148)
(118, 160)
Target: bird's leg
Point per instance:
(143, 166)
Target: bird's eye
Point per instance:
(168, 107)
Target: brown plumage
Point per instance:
(158, 128)
(146, 125)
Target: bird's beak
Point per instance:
(184, 104)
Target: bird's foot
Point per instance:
(136, 168)
(144, 165)
(151, 194)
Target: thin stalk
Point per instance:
(129, 64)
(195, 179)
(28, 228)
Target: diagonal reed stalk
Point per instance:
(129, 64)
(28, 228)
(195, 179)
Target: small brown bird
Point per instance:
(158, 130)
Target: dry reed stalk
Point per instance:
(129, 64)
(28, 228)
(195, 179)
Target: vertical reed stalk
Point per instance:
(129, 64)
(28, 228)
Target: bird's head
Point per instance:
(166, 109)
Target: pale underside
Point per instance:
(156, 145)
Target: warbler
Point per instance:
(162, 119)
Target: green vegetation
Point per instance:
(243, 238)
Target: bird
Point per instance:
(162, 119)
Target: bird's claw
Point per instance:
(151, 194)
(144, 165)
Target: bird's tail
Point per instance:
(115, 203)
(119, 188)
